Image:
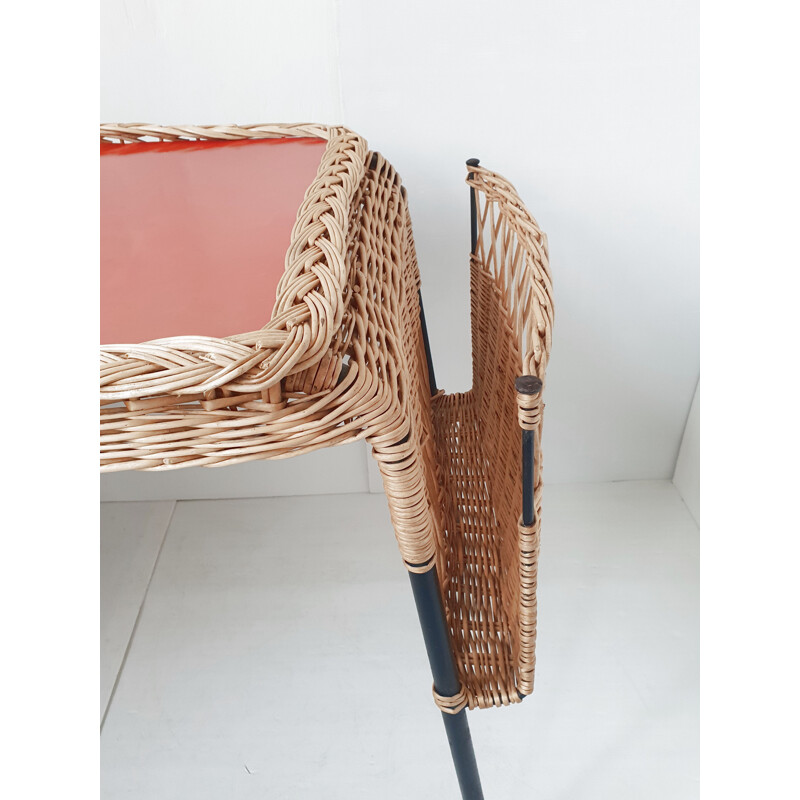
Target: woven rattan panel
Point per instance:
(488, 562)
(478, 450)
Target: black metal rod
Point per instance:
(435, 632)
(428, 359)
(425, 586)
(529, 385)
(528, 460)
(473, 209)
(428, 599)
(458, 737)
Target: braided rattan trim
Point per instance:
(529, 410)
(450, 705)
(307, 316)
(141, 132)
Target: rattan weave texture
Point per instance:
(343, 358)
(487, 558)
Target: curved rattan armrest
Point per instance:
(310, 297)
(514, 249)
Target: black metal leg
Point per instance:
(473, 209)
(431, 375)
(427, 597)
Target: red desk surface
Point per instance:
(193, 235)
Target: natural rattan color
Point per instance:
(343, 358)
(487, 559)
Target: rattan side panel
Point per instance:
(477, 444)
(488, 562)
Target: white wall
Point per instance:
(590, 108)
(340, 470)
(687, 467)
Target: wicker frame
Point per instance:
(343, 358)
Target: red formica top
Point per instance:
(193, 235)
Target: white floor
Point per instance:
(270, 649)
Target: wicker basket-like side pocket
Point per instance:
(487, 560)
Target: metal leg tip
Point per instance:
(528, 384)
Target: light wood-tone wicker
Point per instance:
(343, 358)
(487, 558)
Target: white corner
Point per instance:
(687, 467)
